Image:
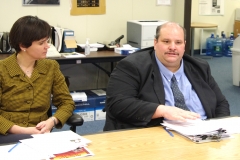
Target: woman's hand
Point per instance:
(45, 126)
(15, 129)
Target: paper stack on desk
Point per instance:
(49, 146)
(200, 131)
(93, 46)
(72, 55)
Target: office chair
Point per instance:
(75, 119)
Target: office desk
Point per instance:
(199, 25)
(156, 143)
(94, 57)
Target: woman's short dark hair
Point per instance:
(160, 27)
(26, 30)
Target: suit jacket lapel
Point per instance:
(157, 81)
(197, 85)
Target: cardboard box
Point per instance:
(85, 109)
(91, 109)
(99, 97)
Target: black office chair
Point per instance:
(73, 121)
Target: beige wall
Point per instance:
(111, 25)
(98, 28)
(225, 23)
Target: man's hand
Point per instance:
(174, 113)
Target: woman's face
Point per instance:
(38, 49)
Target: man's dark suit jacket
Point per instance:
(135, 90)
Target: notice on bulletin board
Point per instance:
(84, 7)
(211, 7)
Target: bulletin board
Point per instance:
(85, 7)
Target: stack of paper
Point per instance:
(55, 145)
(79, 96)
(200, 131)
(72, 55)
(93, 46)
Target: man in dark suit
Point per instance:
(139, 92)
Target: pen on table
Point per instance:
(170, 133)
(14, 147)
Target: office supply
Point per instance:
(73, 154)
(21, 152)
(58, 33)
(205, 131)
(79, 96)
(68, 42)
(5, 46)
(169, 132)
(72, 55)
(14, 146)
(52, 51)
(93, 46)
(116, 43)
(125, 49)
(140, 33)
(48, 146)
(57, 143)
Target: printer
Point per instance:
(140, 33)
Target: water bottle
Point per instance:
(217, 47)
(209, 45)
(224, 39)
(228, 46)
(87, 47)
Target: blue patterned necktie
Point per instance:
(178, 96)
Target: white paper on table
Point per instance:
(56, 142)
(198, 127)
(21, 152)
(92, 45)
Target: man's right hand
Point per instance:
(174, 113)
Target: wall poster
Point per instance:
(211, 7)
(41, 2)
(83, 7)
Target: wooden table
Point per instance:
(156, 143)
(198, 25)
